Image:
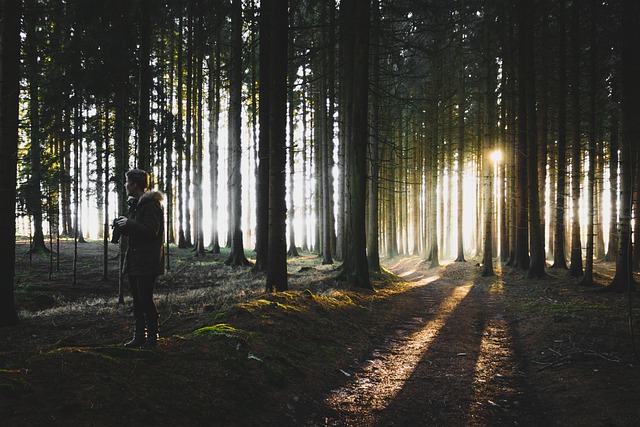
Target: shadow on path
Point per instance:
(449, 361)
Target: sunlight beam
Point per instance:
(374, 384)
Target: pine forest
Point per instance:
(498, 133)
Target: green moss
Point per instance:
(221, 329)
(276, 305)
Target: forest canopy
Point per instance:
(505, 131)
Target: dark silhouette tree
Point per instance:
(373, 252)
(33, 191)
(10, 13)
(630, 39)
(559, 256)
(262, 178)
(527, 68)
(326, 144)
(357, 15)
(236, 256)
(277, 50)
(144, 86)
(575, 268)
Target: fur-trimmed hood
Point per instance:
(151, 195)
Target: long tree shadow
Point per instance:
(448, 362)
(374, 381)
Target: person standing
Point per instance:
(144, 260)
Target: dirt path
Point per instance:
(450, 359)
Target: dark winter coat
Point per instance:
(145, 229)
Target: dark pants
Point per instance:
(144, 309)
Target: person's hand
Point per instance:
(122, 221)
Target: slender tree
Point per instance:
(575, 269)
(262, 178)
(488, 144)
(355, 267)
(587, 279)
(144, 86)
(623, 279)
(33, 190)
(522, 176)
(198, 115)
(277, 49)
(325, 144)
(559, 256)
(214, 124)
(462, 106)
(236, 256)
(536, 235)
(373, 252)
(292, 70)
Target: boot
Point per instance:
(138, 335)
(152, 331)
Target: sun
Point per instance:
(496, 156)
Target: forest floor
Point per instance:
(430, 347)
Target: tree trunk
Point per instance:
(536, 235)
(103, 167)
(305, 201)
(325, 144)
(461, 141)
(543, 119)
(144, 88)
(587, 279)
(575, 269)
(373, 250)
(262, 179)
(623, 279)
(33, 190)
(522, 259)
(10, 13)
(355, 268)
(502, 173)
(199, 148)
(236, 256)
(188, 134)
(179, 132)
(488, 148)
(214, 125)
(559, 256)
(293, 210)
(277, 48)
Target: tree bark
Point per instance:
(373, 250)
(277, 49)
(355, 268)
(293, 210)
(325, 143)
(236, 256)
(33, 190)
(488, 148)
(214, 124)
(536, 235)
(587, 279)
(262, 179)
(144, 87)
(575, 269)
(559, 256)
(462, 105)
(10, 12)
(522, 259)
(623, 279)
